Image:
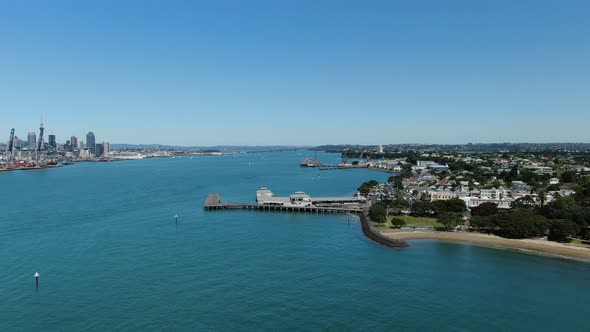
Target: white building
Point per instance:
(500, 197)
(439, 195)
(300, 198)
(424, 163)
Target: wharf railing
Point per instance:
(213, 202)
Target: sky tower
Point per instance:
(41, 129)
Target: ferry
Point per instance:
(308, 162)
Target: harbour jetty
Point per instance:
(297, 202)
(350, 166)
(301, 202)
(340, 166)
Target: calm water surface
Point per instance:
(103, 238)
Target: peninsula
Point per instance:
(527, 200)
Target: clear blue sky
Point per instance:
(297, 72)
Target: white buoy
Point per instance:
(36, 275)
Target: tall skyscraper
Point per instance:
(99, 148)
(106, 147)
(52, 141)
(91, 142)
(74, 143)
(31, 140)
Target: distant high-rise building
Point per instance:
(99, 148)
(91, 142)
(31, 140)
(106, 147)
(16, 143)
(52, 141)
(80, 145)
(73, 143)
(380, 148)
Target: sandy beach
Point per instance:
(528, 245)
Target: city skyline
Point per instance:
(24, 137)
(32, 135)
(290, 73)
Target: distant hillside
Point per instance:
(226, 148)
(469, 147)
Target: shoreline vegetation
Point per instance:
(536, 201)
(396, 238)
(536, 246)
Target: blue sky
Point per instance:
(297, 72)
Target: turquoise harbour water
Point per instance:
(103, 238)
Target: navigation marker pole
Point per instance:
(36, 275)
(176, 219)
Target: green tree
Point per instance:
(406, 171)
(367, 187)
(568, 177)
(542, 196)
(378, 212)
(455, 205)
(564, 202)
(398, 222)
(520, 224)
(450, 220)
(396, 181)
(422, 208)
(485, 209)
(560, 230)
(400, 203)
(482, 223)
(513, 173)
(496, 184)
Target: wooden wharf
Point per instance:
(331, 167)
(213, 202)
